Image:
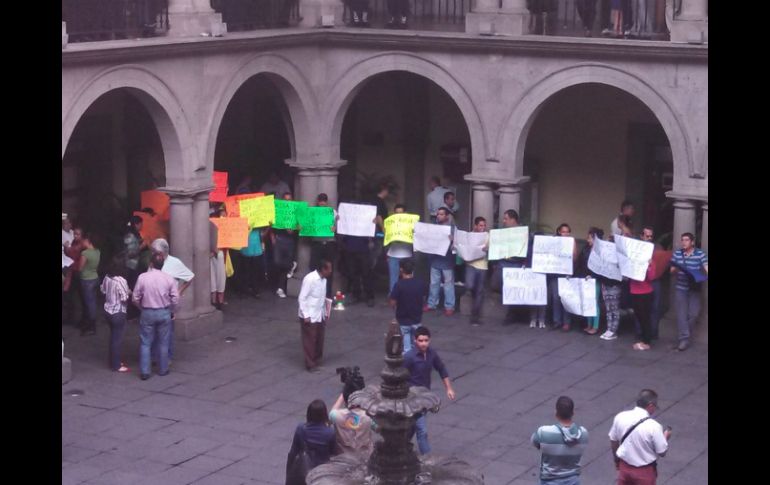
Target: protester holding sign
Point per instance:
(582, 271)
(641, 302)
(251, 274)
(476, 271)
(397, 250)
(324, 246)
(611, 285)
(442, 266)
(690, 265)
(217, 259)
(284, 242)
(561, 317)
(510, 219)
(661, 257)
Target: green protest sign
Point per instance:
(286, 212)
(316, 222)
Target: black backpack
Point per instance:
(298, 468)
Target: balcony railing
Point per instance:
(639, 19)
(91, 20)
(445, 15)
(243, 15)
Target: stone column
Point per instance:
(64, 36)
(181, 220)
(483, 202)
(691, 25)
(702, 335)
(510, 196)
(201, 285)
(191, 18)
(327, 183)
(684, 219)
(704, 237)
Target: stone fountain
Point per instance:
(395, 407)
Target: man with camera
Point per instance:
(351, 424)
(637, 441)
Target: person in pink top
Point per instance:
(156, 294)
(641, 302)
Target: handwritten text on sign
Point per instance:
(356, 219)
(431, 238)
(521, 286)
(400, 227)
(232, 232)
(578, 296)
(286, 212)
(316, 222)
(470, 245)
(604, 260)
(633, 257)
(511, 242)
(259, 211)
(552, 254)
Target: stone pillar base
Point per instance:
(313, 13)
(189, 328)
(183, 24)
(293, 285)
(66, 370)
(497, 23)
(64, 36)
(690, 31)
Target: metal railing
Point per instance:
(639, 19)
(92, 20)
(445, 15)
(244, 15)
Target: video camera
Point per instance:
(352, 380)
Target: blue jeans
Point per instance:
(393, 271)
(421, 426)
(573, 480)
(408, 332)
(474, 282)
(88, 292)
(687, 310)
(156, 346)
(560, 315)
(154, 324)
(117, 329)
(449, 287)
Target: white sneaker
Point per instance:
(532, 324)
(280, 293)
(459, 283)
(541, 324)
(608, 335)
(290, 274)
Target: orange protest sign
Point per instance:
(232, 203)
(232, 232)
(152, 227)
(219, 194)
(157, 201)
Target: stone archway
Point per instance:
(512, 139)
(347, 86)
(179, 147)
(298, 96)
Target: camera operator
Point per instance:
(351, 424)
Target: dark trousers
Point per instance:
(117, 330)
(474, 282)
(359, 6)
(587, 11)
(360, 275)
(283, 256)
(604, 14)
(252, 273)
(88, 290)
(642, 305)
(398, 8)
(312, 342)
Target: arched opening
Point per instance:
(114, 154)
(404, 128)
(590, 147)
(255, 136)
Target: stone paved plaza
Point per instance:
(226, 413)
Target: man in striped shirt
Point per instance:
(562, 446)
(691, 265)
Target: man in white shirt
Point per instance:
(626, 209)
(313, 314)
(637, 441)
(435, 198)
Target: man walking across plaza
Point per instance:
(407, 297)
(442, 266)
(420, 362)
(691, 265)
(313, 314)
(156, 294)
(637, 440)
(561, 446)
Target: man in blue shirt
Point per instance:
(420, 362)
(690, 265)
(407, 298)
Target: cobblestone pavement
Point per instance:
(226, 413)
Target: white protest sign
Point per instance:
(578, 295)
(522, 286)
(431, 238)
(470, 245)
(604, 260)
(633, 257)
(552, 254)
(508, 243)
(356, 219)
(65, 260)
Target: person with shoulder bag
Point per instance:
(313, 444)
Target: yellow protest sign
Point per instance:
(400, 227)
(259, 211)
